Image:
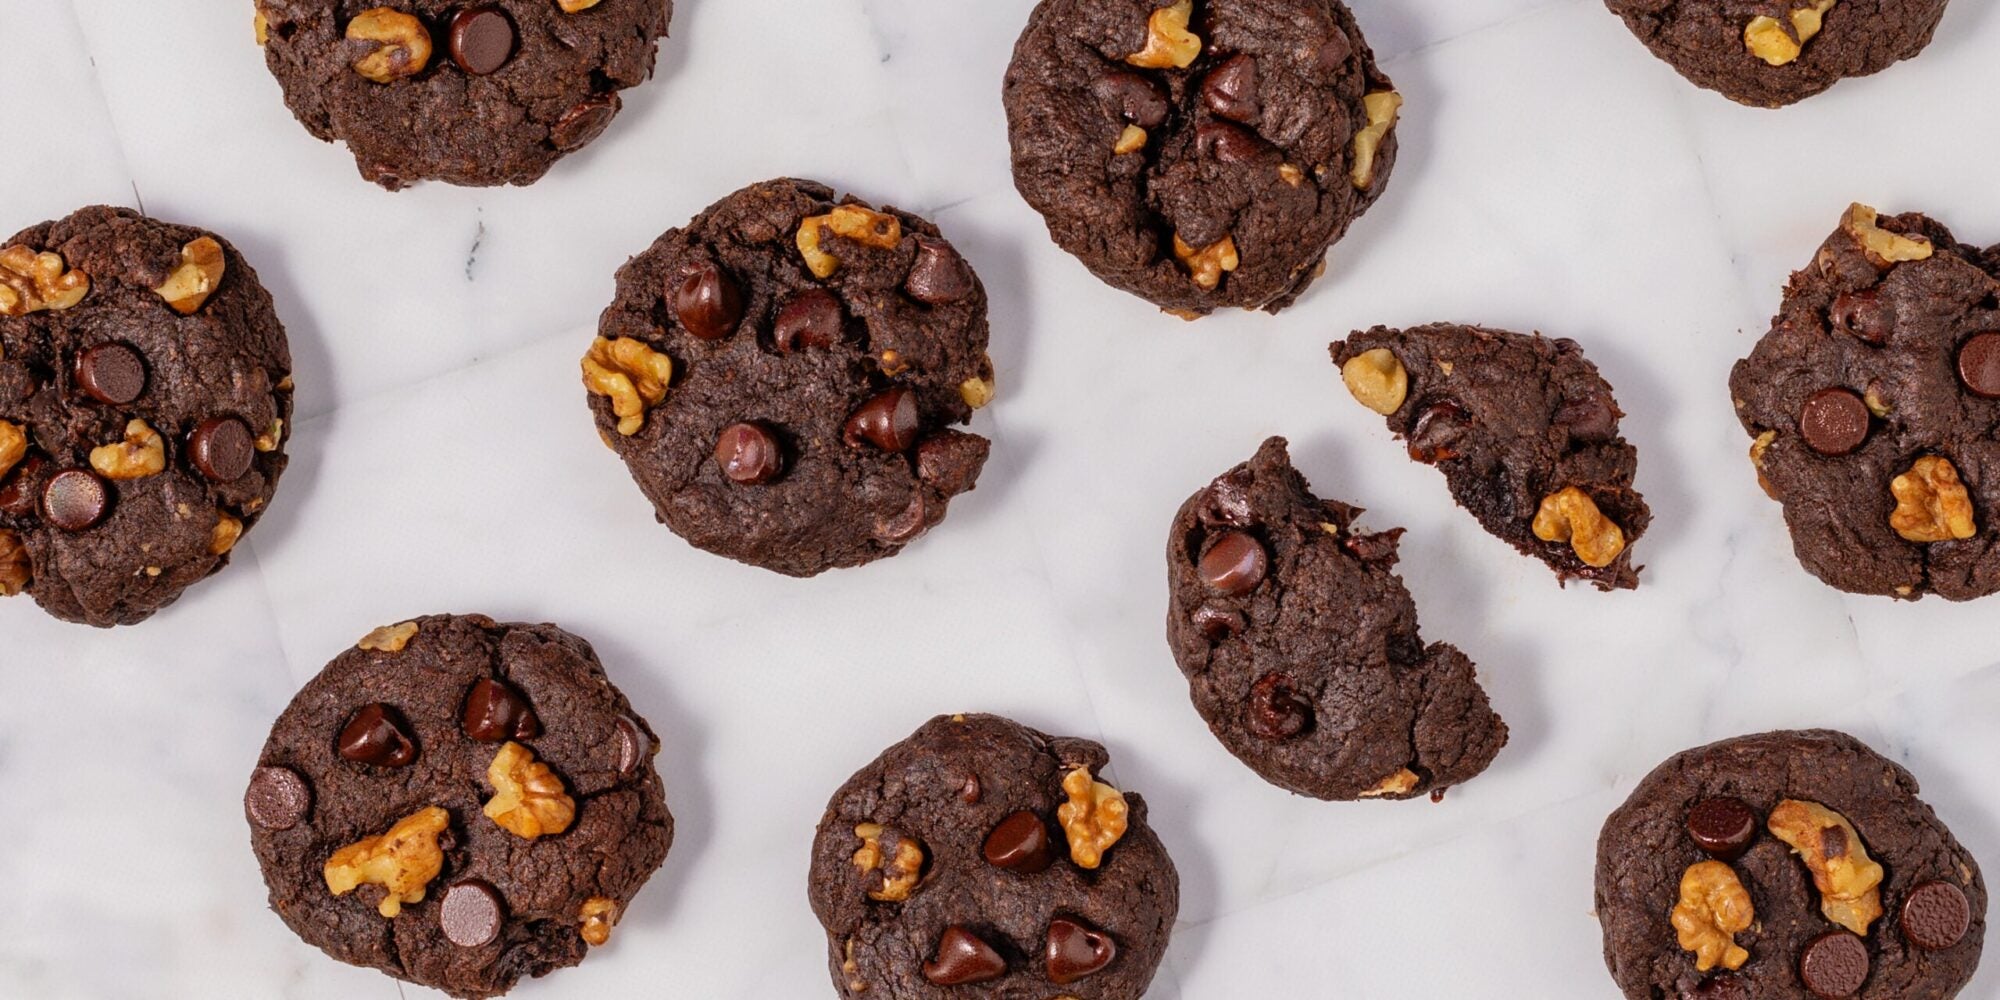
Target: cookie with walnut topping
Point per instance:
(145, 390)
(458, 802)
(1300, 644)
(982, 858)
(782, 376)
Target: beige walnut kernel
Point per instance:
(13, 446)
(1570, 515)
(197, 277)
(1714, 907)
(1381, 108)
(1131, 140)
(1758, 449)
(1849, 881)
(1881, 246)
(573, 6)
(141, 454)
(902, 865)
(402, 44)
(389, 638)
(16, 568)
(1767, 39)
(596, 917)
(528, 800)
(1093, 819)
(1207, 265)
(1377, 380)
(272, 436)
(34, 282)
(632, 375)
(1403, 780)
(225, 534)
(1169, 43)
(1932, 505)
(861, 225)
(402, 861)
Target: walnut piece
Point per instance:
(1767, 39)
(1570, 515)
(1849, 882)
(528, 801)
(16, 569)
(262, 28)
(402, 44)
(273, 436)
(902, 866)
(1757, 450)
(1881, 246)
(1399, 783)
(572, 6)
(1169, 43)
(1713, 909)
(141, 454)
(200, 273)
(1381, 107)
(1093, 819)
(1932, 505)
(33, 282)
(1132, 140)
(852, 221)
(976, 391)
(223, 538)
(13, 446)
(1377, 380)
(597, 913)
(1207, 264)
(389, 638)
(402, 861)
(633, 375)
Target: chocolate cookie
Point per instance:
(1199, 155)
(1300, 644)
(1786, 866)
(1874, 404)
(781, 376)
(1770, 53)
(477, 93)
(459, 803)
(145, 386)
(1525, 431)
(980, 853)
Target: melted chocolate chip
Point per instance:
(963, 958)
(20, 488)
(939, 276)
(1020, 844)
(1275, 710)
(1438, 431)
(707, 301)
(633, 745)
(374, 735)
(1217, 624)
(1076, 949)
(1863, 315)
(1234, 564)
(584, 122)
(495, 712)
(811, 319)
(1228, 143)
(1136, 98)
(1230, 89)
(888, 421)
(749, 454)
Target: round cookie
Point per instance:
(459, 803)
(145, 392)
(1836, 880)
(1300, 644)
(782, 373)
(1770, 53)
(982, 857)
(482, 93)
(1873, 405)
(1199, 155)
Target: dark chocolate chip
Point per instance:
(1834, 965)
(1231, 89)
(495, 712)
(223, 449)
(278, 799)
(811, 319)
(1020, 844)
(1936, 916)
(971, 791)
(1228, 501)
(1217, 624)
(1076, 949)
(374, 735)
(1979, 364)
(1228, 143)
(939, 276)
(1863, 315)
(19, 488)
(584, 122)
(906, 524)
(888, 421)
(1588, 419)
(1439, 430)
(1721, 987)
(75, 500)
(749, 454)
(1834, 421)
(470, 914)
(1137, 99)
(1235, 563)
(1723, 826)
(111, 373)
(707, 301)
(633, 745)
(1276, 711)
(962, 958)
(482, 39)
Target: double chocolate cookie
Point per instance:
(145, 385)
(1201, 154)
(1770, 53)
(476, 92)
(982, 858)
(1300, 644)
(1786, 866)
(460, 803)
(1525, 431)
(1873, 405)
(781, 376)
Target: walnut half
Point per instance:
(632, 375)
(402, 861)
(1932, 505)
(1881, 246)
(1849, 881)
(197, 277)
(528, 800)
(33, 282)
(1570, 515)
(1093, 819)
(901, 864)
(402, 44)
(1714, 907)
(1169, 43)
(141, 454)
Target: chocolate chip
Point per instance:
(1228, 143)
(888, 421)
(1834, 965)
(470, 914)
(223, 449)
(633, 745)
(1588, 419)
(1863, 315)
(1234, 564)
(1439, 429)
(749, 454)
(495, 712)
(1020, 844)
(707, 301)
(905, 524)
(1076, 949)
(111, 373)
(1936, 916)
(1231, 89)
(811, 319)
(971, 791)
(1137, 99)
(584, 122)
(939, 276)
(1834, 421)
(1217, 624)
(75, 500)
(1721, 987)
(19, 488)
(1979, 364)
(962, 958)
(482, 39)
(1723, 826)
(374, 735)
(950, 460)
(1276, 711)
(1228, 501)
(278, 799)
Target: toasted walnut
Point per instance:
(272, 436)
(402, 861)
(1849, 882)
(1093, 819)
(262, 27)
(1757, 450)
(1293, 177)
(403, 44)
(855, 223)
(32, 282)
(223, 537)
(13, 446)
(1881, 246)
(1767, 39)
(1399, 783)
(1381, 107)
(977, 392)
(202, 264)
(1377, 380)
(141, 454)
(16, 569)
(1932, 505)
(1207, 264)
(1169, 43)
(528, 799)
(1714, 908)
(1132, 140)
(852, 968)
(633, 375)
(902, 865)
(572, 6)
(389, 638)
(1872, 398)
(1570, 515)
(597, 914)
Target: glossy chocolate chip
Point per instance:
(633, 745)
(1979, 365)
(75, 500)
(888, 421)
(584, 122)
(963, 958)
(1276, 711)
(1834, 965)
(1723, 826)
(1231, 89)
(1721, 987)
(1863, 315)
(482, 39)
(1228, 501)
(707, 301)
(278, 799)
(223, 449)
(495, 712)
(940, 276)
(1076, 949)
(1834, 421)
(811, 319)
(111, 373)
(971, 791)
(1020, 844)
(1438, 432)
(749, 454)
(1588, 419)
(1235, 563)
(1217, 624)
(1228, 143)
(374, 735)
(20, 488)
(1936, 916)
(470, 914)
(1136, 98)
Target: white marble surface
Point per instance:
(1553, 177)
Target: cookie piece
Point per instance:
(1770, 53)
(1873, 405)
(484, 93)
(781, 376)
(1786, 866)
(459, 803)
(980, 852)
(1525, 431)
(1300, 644)
(145, 392)
(1199, 155)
